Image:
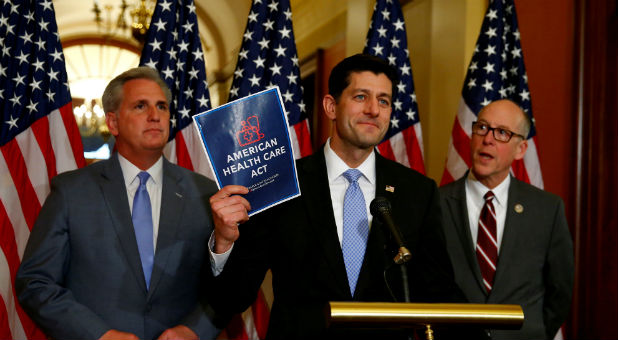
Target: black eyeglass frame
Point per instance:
(493, 131)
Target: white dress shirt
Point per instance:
(335, 167)
(153, 186)
(475, 191)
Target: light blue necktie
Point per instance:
(142, 223)
(355, 228)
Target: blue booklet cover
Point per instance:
(247, 142)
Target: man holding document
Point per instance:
(324, 245)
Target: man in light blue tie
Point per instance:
(119, 250)
(324, 245)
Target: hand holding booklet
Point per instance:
(247, 142)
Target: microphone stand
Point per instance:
(401, 261)
(402, 257)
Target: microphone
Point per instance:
(380, 208)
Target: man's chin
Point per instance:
(155, 146)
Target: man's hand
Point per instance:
(113, 334)
(229, 210)
(179, 332)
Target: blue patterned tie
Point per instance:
(142, 223)
(355, 228)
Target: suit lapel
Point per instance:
(172, 196)
(316, 192)
(458, 209)
(508, 251)
(114, 191)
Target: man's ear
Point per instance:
(112, 123)
(521, 149)
(329, 103)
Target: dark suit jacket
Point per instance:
(298, 241)
(535, 263)
(81, 274)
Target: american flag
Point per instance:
(496, 72)
(39, 138)
(267, 58)
(173, 48)
(387, 39)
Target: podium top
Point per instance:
(412, 315)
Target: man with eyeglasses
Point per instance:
(508, 241)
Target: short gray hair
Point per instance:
(112, 96)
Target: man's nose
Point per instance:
(153, 114)
(372, 107)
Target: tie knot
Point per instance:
(489, 195)
(352, 175)
(143, 177)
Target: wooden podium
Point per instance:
(423, 315)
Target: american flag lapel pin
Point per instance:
(390, 188)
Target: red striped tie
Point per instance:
(487, 244)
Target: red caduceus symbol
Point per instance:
(249, 132)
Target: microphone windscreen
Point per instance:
(379, 206)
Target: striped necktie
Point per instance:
(487, 244)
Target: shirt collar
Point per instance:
(478, 189)
(130, 171)
(335, 166)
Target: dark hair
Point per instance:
(340, 75)
(112, 96)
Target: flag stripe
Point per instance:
(533, 166)
(41, 133)
(386, 150)
(302, 137)
(5, 329)
(35, 163)
(261, 314)
(414, 148)
(12, 260)
(70, 131)
(182, 154)
(249, 324)
(170, 151)
(9, 198)
(461, 142)
(199, 160)
(399, 148)
(66, 159)
(17, 168)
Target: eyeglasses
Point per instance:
(500, 134)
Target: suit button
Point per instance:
(148, 308)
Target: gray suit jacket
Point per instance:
(535, 264)
(81, 274)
